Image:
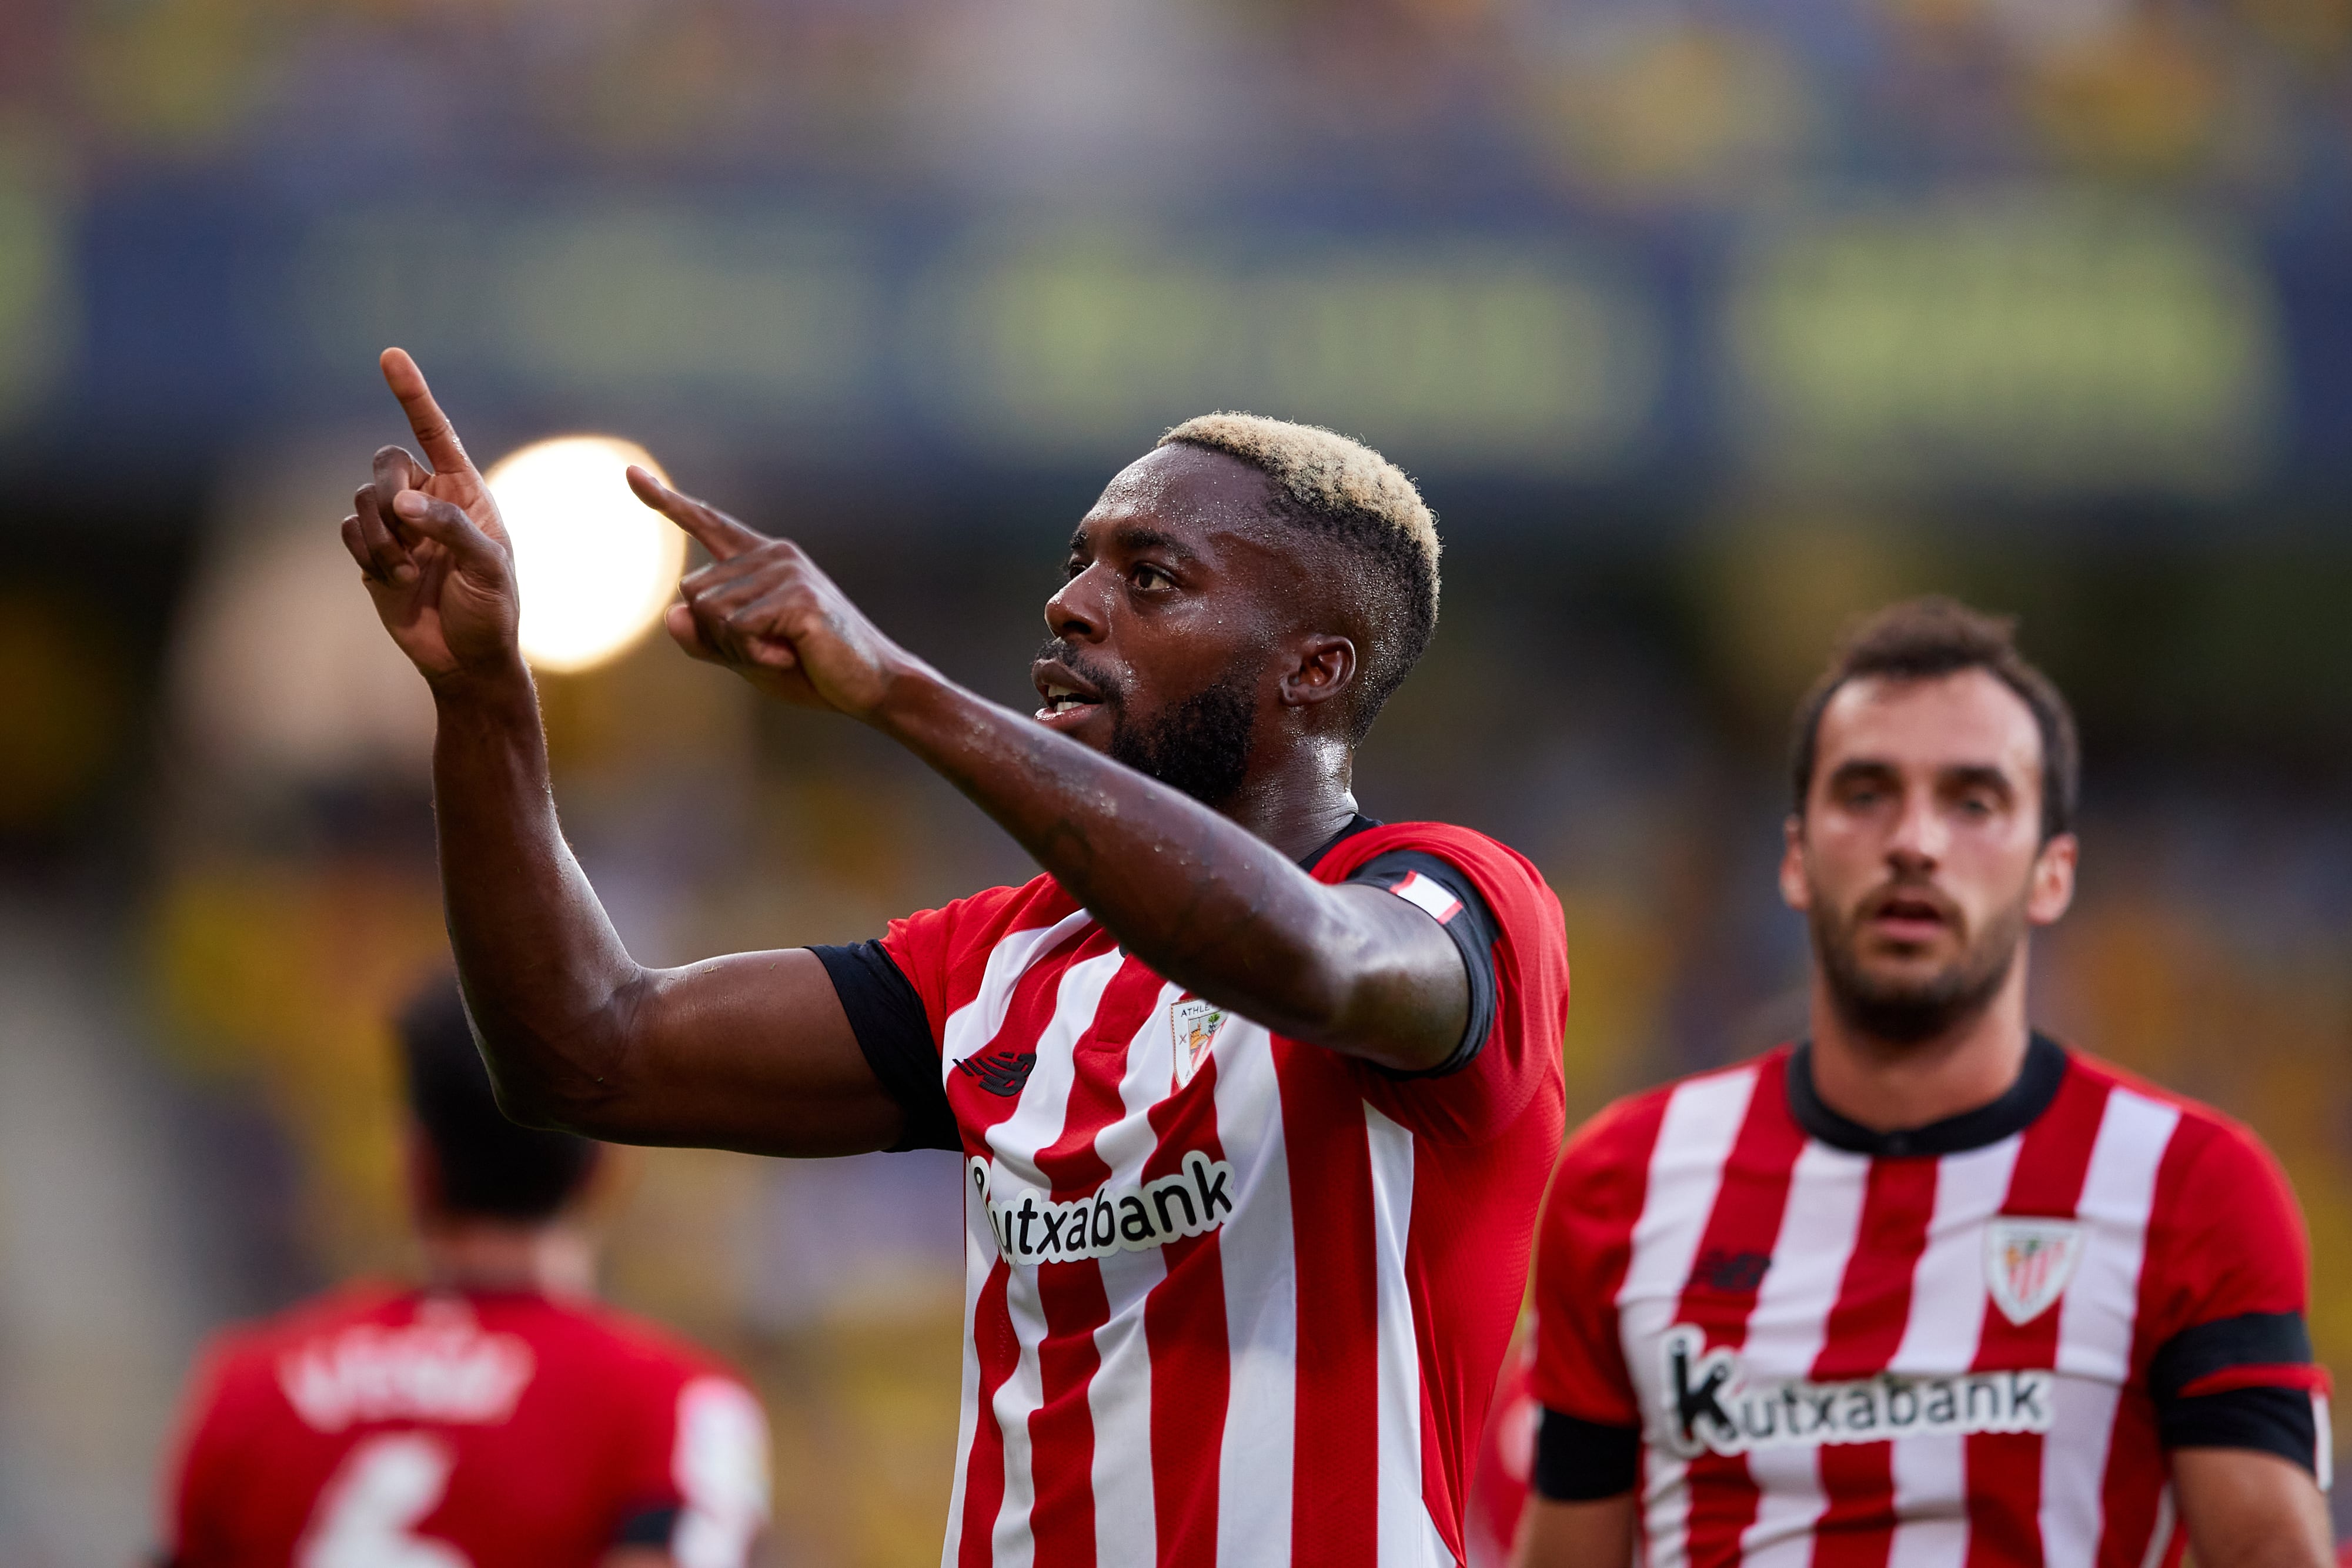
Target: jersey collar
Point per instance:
(2036, 1085)
(1358, 823)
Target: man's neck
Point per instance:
(1298, 806)
(1890, 1086)
(555, 1259)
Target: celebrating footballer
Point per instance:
(1257, 1096)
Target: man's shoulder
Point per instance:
(1625, 1131)
(2194, 1128)
(990, 914)
(599, 1332)
(259, 1341)
(1474, 852)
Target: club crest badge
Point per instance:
(2027, 1263)
(1194, 1024)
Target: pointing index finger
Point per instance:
(714, 530)
(434, 432)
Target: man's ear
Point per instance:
(1796, 888)
(1324, 667)
(2054, 880)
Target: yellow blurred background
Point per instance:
(1704, 328)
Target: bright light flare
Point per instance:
(595, 566)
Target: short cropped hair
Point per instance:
(1923, 640)
(489, 1167)
(1342, 489)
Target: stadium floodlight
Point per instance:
(596, 567)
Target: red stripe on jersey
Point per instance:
(1192, 1367)
(1720, 1296)
(996, 1351)
(2052, 1162)
(1335, 1478)
(1075, 1302)
(1863, 1330)
(996, 1346)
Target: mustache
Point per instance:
(1054, 651)
(1909, 890)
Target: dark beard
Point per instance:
(1202, 747)
(1905, 1013)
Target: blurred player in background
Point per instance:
(1928, 1288)
(1258, 1096)
(495, 1418)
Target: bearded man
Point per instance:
(1257, 1096)
(1926, 1288)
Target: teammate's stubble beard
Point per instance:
(1200, 746)
(1909, 1012)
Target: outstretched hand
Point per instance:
(762, 609)
(431, 548)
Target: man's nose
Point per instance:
(1919, 836)
(1075, 612)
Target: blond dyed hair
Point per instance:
(1329, 484)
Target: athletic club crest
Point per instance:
(1194, 1024)
(2027, 1263)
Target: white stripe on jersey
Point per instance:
(1702, 1121)
(1403, 1532)
(1948, 1309)
(974, 1024)
(1260, 1265)
(969, 1029)
(1036, 1122)
(1818, 1228)
(2095, 1318)
(1119, 1397)
(980, 1256)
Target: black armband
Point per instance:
(1579, 1461)
(894, 1035)
(2198, 1405)
(1471, 925)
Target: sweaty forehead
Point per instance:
(1201, 498)
(1966, 719)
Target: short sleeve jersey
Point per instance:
(1230, 1296)
(1987, 1333)
(477, 1431)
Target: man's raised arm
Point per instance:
(1199, 898)
(750, 1051)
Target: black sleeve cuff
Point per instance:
(894, 1035)
(1474, 931)
(2271, 1420)
(647, 1527)
(1578, 1460)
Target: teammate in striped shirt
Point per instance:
(1927, 1289)
(1257, 1096)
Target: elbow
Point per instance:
(563, 1081)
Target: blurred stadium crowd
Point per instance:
(1704, 326)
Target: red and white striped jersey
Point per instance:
(1231, 1298)
(1967, 1345)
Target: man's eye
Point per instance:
(1151, 577)
(1072, 567)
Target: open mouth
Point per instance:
(1909, 916)
(1066, 698)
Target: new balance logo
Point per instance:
(1031, 1227)
(1733, 1273)
(1710, 1406)
(1000, 1072)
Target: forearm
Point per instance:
(545, 975)
(1201, 900)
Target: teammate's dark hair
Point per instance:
(1923, 638)
(489, 1167)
